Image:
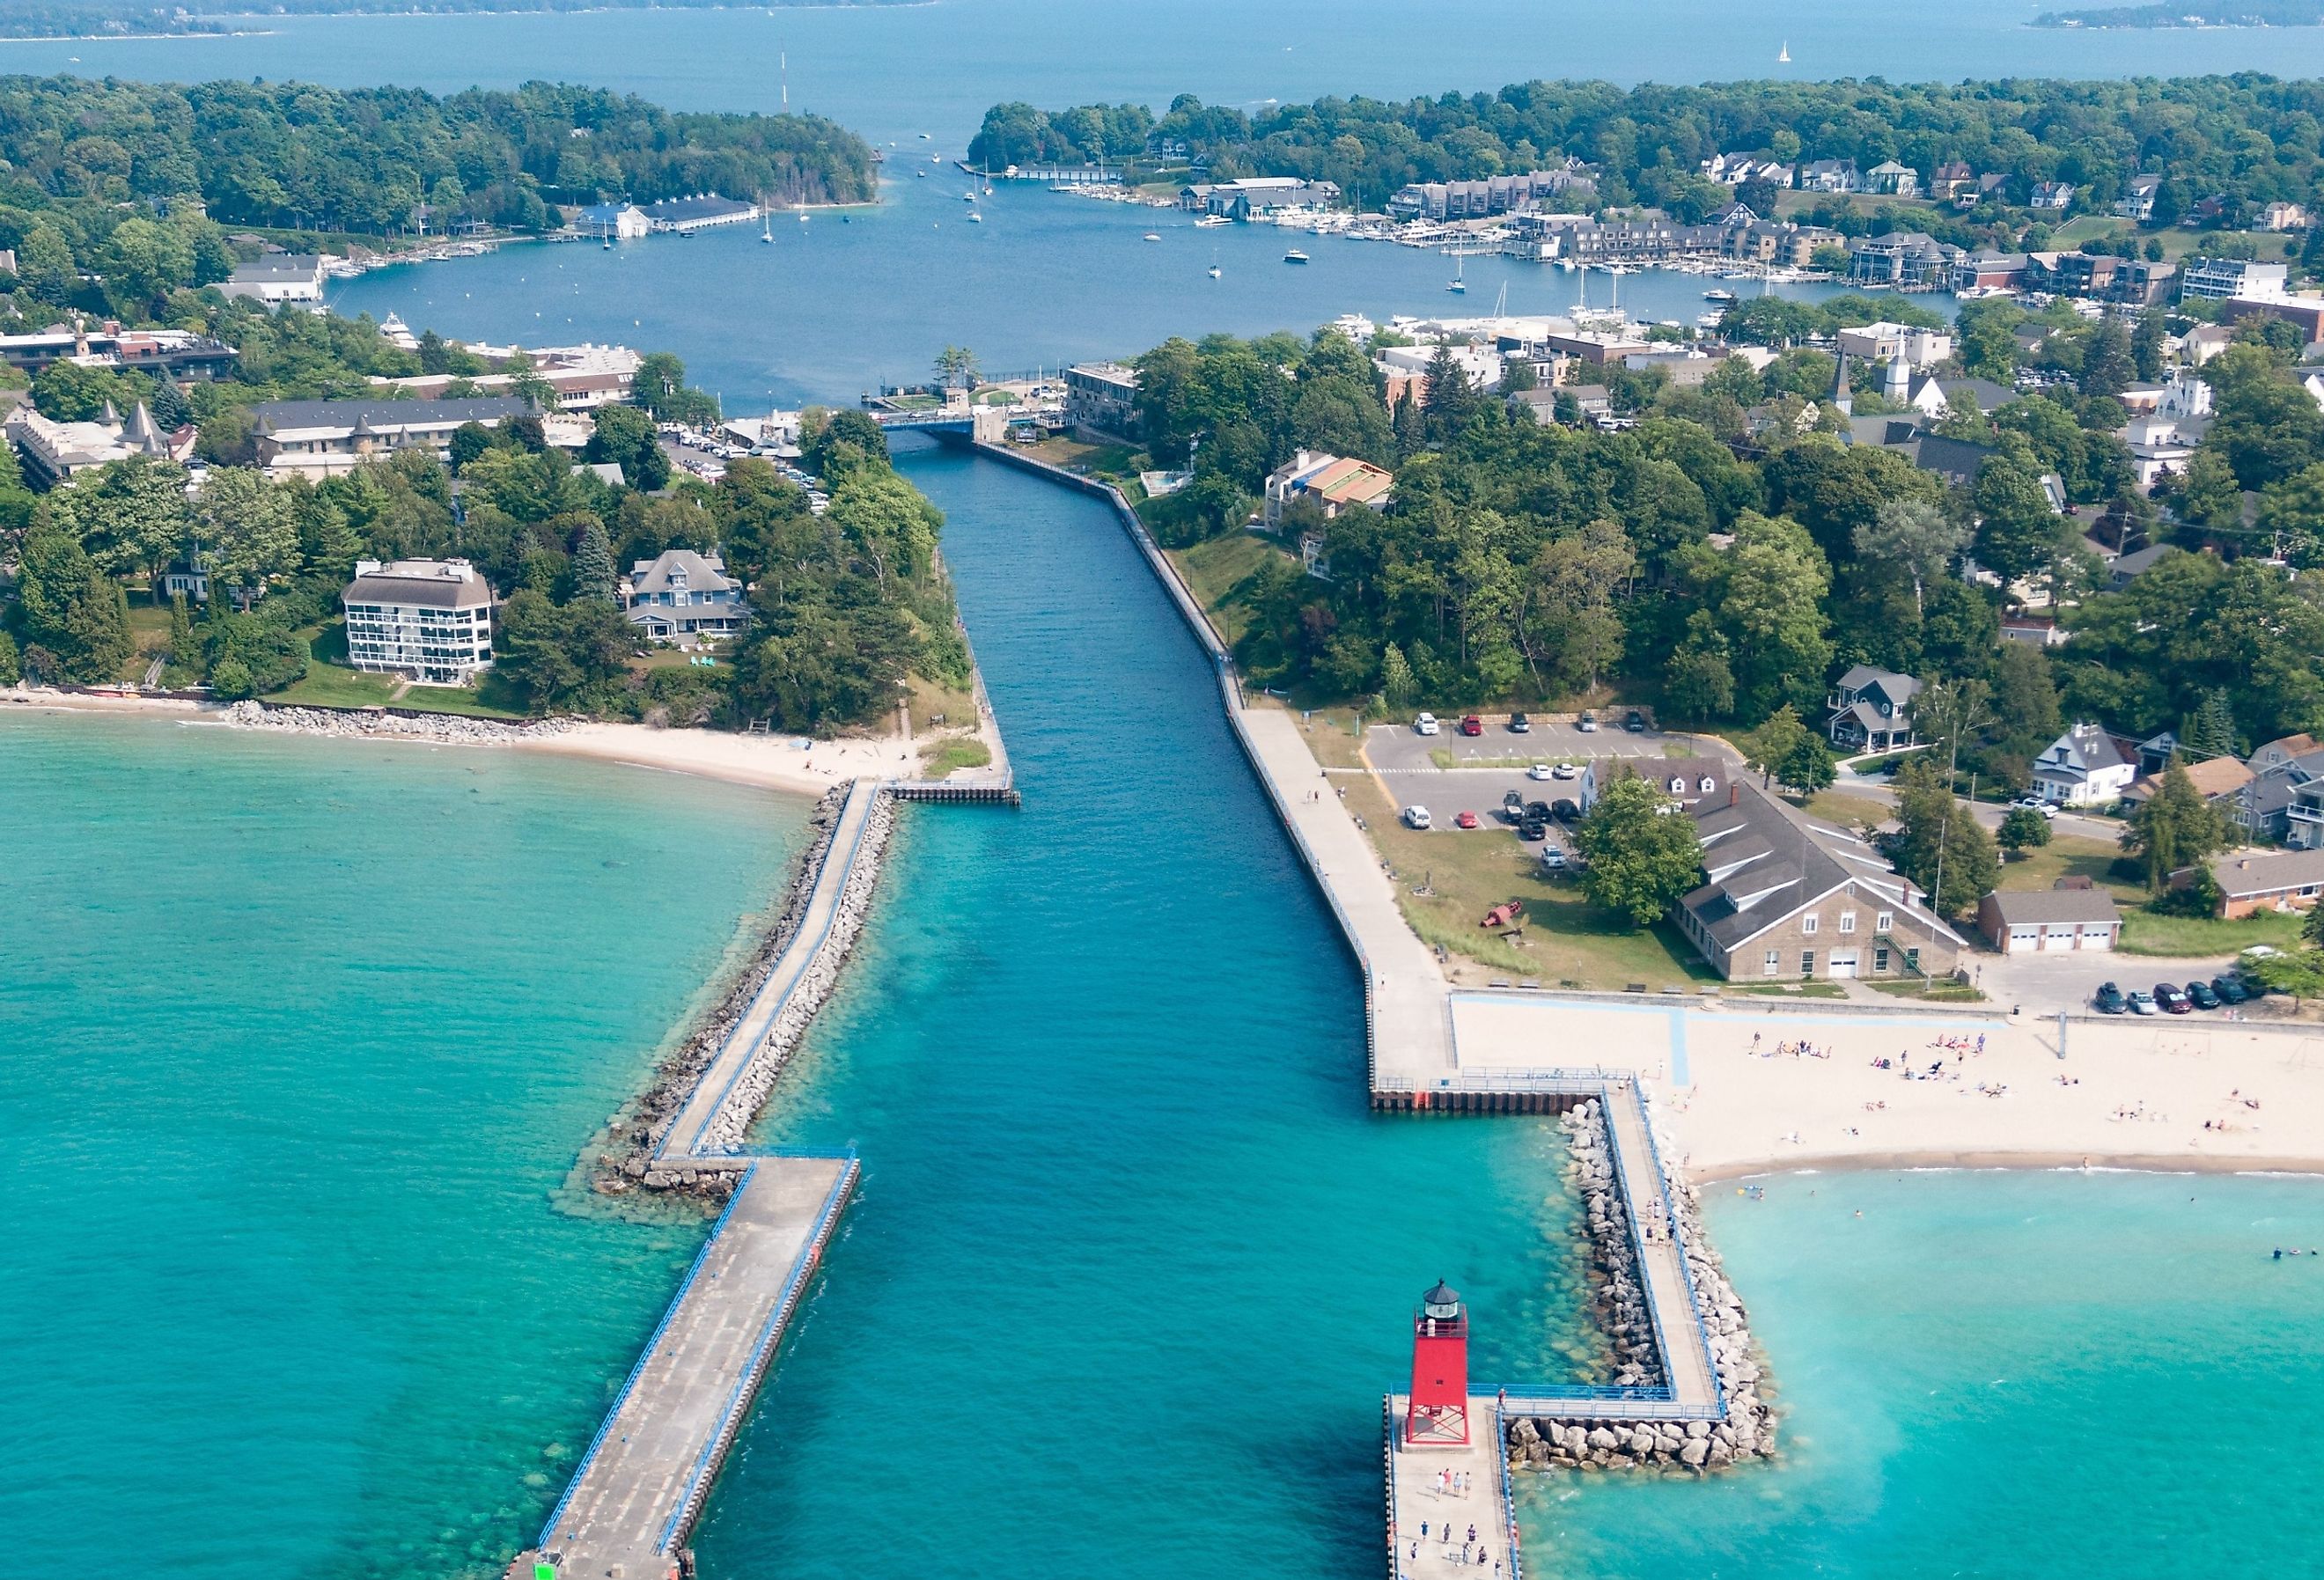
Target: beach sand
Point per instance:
(2137, 1093)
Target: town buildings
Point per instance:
(703, 211)
(2084, 767)
(1103, 397)
(1787, 897)
(2217, 279)
(324, 439)
(54, 451)
(2284, 801)
(1252, 196)
(612, 222)
(1494, 195)
(1886, 342)
(2251, 881)
(684, 598)
(174, 353)
(278, 278)
(429, 619)
(2050, 921)
(1333, 483)
(1872, 710)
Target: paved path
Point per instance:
(637, 1493)
(1686, 1366)
(686, 1136)
(1411, 1025)
(1425, 1506)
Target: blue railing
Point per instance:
(548, 1531)
(1678, 1243)
(707, 1462)
(1509, 1500)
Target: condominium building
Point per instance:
(430, 619)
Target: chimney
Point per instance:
(1733, 794)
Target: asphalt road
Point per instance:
(1877, 787)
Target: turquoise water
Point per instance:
(299, 1041)
(2000, 1375)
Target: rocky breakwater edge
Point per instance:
(1602, 1440)
(372, 724)
(628, 1161)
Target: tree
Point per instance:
(1807, 767)
(1769, 746)
(11, 664)
(2298, 973)
(558, 657)
(593, 564)
(2210, 730)
(2108, 366)
(2022, 828)
(956, 366)
(2019, 532)
(248, 528)
(2174, 828)
(1397, 682)
(1698, 682)
(72, 611)
(1944, 851)
(626, 436)
(1916, 535)
(185, 648)
(1643, 853)
(127, 514)
(230, 679)
(844, 433)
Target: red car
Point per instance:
(1472, 725)
(1465, 820)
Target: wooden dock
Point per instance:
(640, 1487)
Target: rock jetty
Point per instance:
(378, 722)
(1603, 1440)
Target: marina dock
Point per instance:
(640, 1486)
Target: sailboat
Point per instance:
(1783, 56)
(1214, 270)
(1457, 286)
(767, 226)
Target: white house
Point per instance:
(324, 439)
(2084, 767)
(279, 277)
(431, 619)
(684, 598)
(1884, 342)
(613, 221)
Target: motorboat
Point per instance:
(1294, 256)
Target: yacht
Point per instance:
(1153, 236)
(1294, 256)
(1212, 222)
(1718, 295)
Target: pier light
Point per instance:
(1437, 1413)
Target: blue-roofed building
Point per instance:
(611, 221)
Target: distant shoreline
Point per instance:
(532, 8)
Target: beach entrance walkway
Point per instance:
(642, 1485)
(1439, 1494)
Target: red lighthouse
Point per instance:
(1439, 1410)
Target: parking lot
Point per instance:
(2046, 984)
(1403, 761)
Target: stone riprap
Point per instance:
(368, 722)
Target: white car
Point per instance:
(1426, 724)
(1565, 771)
(1415, 817)
(1541, 770)
(1552, 860)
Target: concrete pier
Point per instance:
(638, 1491)
(1438, 1493)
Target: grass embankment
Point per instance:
(1217, 570)
(1845, 811)
(330, 682)
(956, 752)
(2144, 931)
(1565, 942)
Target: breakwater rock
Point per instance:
(638, 1130)
(1603, 1439)
(376, 722)
(731, 1126)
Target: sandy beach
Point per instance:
(1750, 1093)
(793, 764)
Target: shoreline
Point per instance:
(2000, 1162)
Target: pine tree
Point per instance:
(2210, 730)
(1398, 681)
(2175, 828)
(593, 564)
(185, 651)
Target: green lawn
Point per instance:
(1216, 569)
(957, 752)
(331, 685)
(2146, 933)
(1847, 811)
(2070, 856)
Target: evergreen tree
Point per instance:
(593, 564)
(1807, 767)
(2109, 366)
(1397, 682)
(2146, 345)
(11, 665)
(1453, 397)
(2210, 730)
(185, 650)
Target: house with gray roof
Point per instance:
(2260, 879)
(429, 619)
(2084, 767)
(2050, 922)
(324, 439)
(2284, 800)
(684, 598)
(1871, 710)
(1784, 896)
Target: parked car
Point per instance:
(2170, 999)
(1425, 724)
(1470, 725)
(2036, 804)
(1541, 770)
(1519, 724)
(1465, 820)
(1538, 810)
(2110, 1000)
(1565, 771)
(2140, 1005)
(1415, 817)
(1587, 722)
(2231, 990)
(1565, 811)
(1513, 808)
(1635, 722)
(1533, 828)
(1552, 860)
(2200, 993)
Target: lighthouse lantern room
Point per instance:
(1438, 1413)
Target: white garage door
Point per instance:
(2098, 939)
(1843, 963)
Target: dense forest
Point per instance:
(1730, 575)
(847, 603)
(2264, 14)
(84, 158)
(96, 18)
(2251, 138)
